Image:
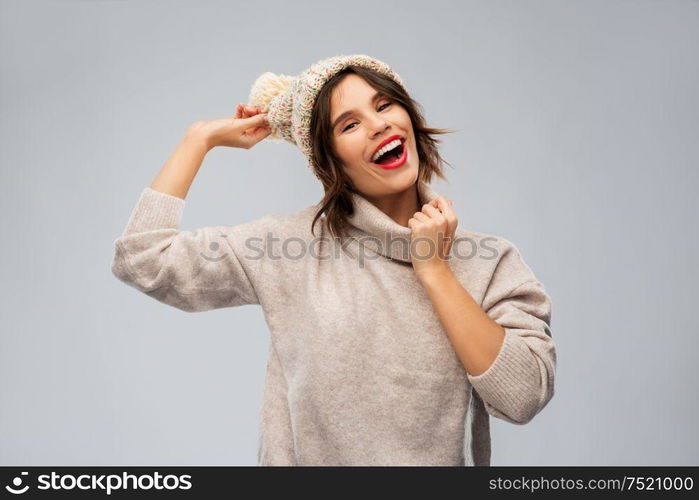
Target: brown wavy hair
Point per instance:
(336, 204)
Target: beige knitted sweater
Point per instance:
(360, 370)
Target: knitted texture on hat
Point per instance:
(288, 100)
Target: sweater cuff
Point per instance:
(155, 210)
(512, 378)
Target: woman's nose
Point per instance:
(379, 125)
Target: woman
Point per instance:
(392, 330)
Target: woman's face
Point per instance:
(358, 135)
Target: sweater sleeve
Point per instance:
(520, 382)
(191, 270)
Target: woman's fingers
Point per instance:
(255, 121)
(256, 128)
(245, 111)
(435, 203)
(421, 217)
(445, 206)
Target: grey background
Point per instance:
(578, 125)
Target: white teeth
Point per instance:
(387, 147)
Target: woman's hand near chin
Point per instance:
(433, 230)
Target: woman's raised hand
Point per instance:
(245, 129)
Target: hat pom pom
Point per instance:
(266, 88)
(263, 92)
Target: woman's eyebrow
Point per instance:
(344, 115)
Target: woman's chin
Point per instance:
(402, 180)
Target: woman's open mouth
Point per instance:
(393, 158)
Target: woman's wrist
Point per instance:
(198, 137)
(176, 176)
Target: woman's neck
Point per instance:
(400, 206)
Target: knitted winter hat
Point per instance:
(288, 101)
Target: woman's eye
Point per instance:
(380, 109)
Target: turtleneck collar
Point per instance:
(377, 231)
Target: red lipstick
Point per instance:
(386, 141)
(398, 161)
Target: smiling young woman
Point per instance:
(382, 343)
